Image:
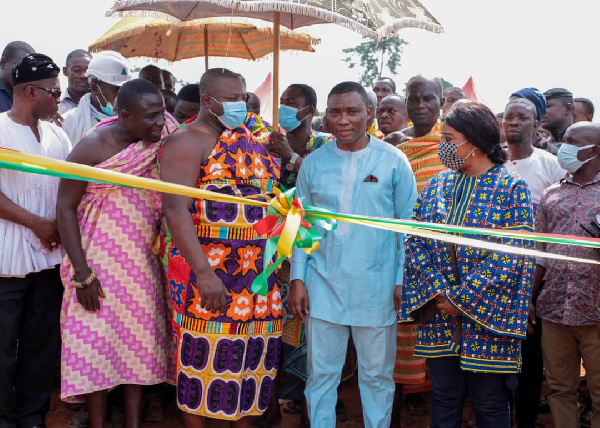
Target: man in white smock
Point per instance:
(30, 285)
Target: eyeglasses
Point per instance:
(54, 93)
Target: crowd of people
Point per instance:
(139, 289)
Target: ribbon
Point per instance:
(12, 159)
(464, 230)
(286, 225)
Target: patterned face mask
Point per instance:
(448, 154)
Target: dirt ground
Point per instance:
(59, 415)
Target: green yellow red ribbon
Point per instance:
(288, 223)
(286, 226)
(464, 230)
(11, 159)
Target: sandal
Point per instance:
(293, 407)
(80, 419)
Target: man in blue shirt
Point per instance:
(12, 54)
(352, 284)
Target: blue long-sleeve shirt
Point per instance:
(351, 278)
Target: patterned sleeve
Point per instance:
(496, 292)
(320, 139)
(541, 226)
(422, 278)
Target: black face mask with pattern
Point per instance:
(448, 154)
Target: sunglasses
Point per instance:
(54, 93)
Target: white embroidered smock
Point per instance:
(21, 252)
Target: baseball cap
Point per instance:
(110, 67)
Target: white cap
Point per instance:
(110, 67)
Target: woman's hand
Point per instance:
(445, 307)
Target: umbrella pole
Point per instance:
(205, 47)
(276, 28)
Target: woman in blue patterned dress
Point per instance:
(471, 304)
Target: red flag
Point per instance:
(469, 90)
(265, 93)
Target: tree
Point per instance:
(372, 56)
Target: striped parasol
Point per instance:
(159, 38)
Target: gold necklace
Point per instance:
(488, 169)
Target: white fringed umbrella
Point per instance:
(371, 18)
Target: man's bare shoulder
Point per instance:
(194, 133)
(94, 148)
(409, 132)
(194, 140)
(400, 137)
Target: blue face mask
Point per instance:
(108, 108)
(234, 113)
(288, 119)
(567, 157)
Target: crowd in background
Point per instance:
(141, 290)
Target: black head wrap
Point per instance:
(34, 67)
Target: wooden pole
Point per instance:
(276, 28)
(205, 47)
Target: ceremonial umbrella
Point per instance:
(372, 18)
(159, 38)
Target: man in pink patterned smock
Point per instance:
(115, 315)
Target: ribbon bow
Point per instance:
(287, 225)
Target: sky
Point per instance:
(504, 45)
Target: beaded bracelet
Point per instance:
(85, 283)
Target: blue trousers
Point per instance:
(376, 352)
(450, 385)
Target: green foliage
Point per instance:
(373, 56)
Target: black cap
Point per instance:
(34, 67)
(553, 93)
